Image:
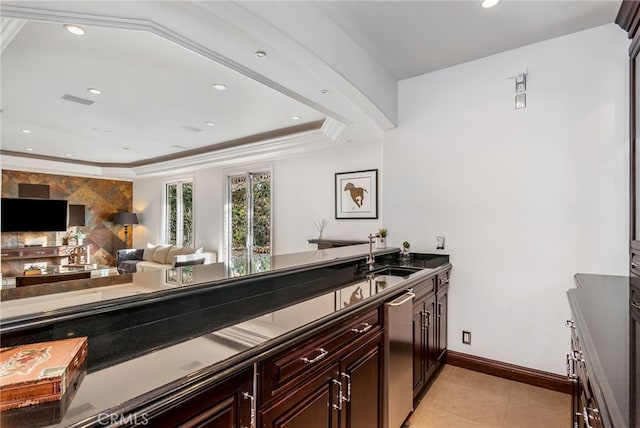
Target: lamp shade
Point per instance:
(126, 218)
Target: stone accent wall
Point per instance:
(101, 198)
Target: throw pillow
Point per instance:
(173, 251)
(187, 250)
(160, 254)
(147, 255)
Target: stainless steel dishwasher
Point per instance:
(398, 396)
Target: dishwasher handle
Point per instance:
(405, 297)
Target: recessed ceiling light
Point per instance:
(126, 148)
(29, 149)
(210, 123)
(74, 29)
(261, 54)
(25, 131)
(324, 91)
(220, 86)
(296, 117)
(68, 155)
(95, 91)
(489, 3)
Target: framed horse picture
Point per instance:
(357, 194)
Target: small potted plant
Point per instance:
(381, 240)
(80, 237)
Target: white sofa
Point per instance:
(156, 257)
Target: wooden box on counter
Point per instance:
(38, 381)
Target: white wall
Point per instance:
(303, 190)
(525, 198)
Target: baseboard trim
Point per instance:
(552, 381)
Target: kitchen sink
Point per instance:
(403, 271)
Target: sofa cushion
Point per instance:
(148, 252)
(160, 253)
(173, 251)
(150, 266)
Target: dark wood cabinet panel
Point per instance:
(429, 328)
(314, 404)
(285, 369)
(227, 404)
(441, 315)
(362, 369)
(342, 384)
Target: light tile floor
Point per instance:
(461, 398)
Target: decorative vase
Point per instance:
(381, 242)
(80, 241)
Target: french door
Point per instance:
(249, 223)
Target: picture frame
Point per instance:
(356, 194)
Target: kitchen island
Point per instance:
(213, 328)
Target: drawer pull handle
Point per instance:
(569, 323)
(635, 265)
(340, 396)
(248, 396)
(348, 397)
(444, 281)
(364, 329)
(635, 305)
(323, 353)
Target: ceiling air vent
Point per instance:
(191, 128)
(77, 99)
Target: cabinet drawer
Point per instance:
(443, 280)
(425, 287)
(39, 252)
(283, 371)
(8, 254)
(635, 262)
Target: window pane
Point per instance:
(172, 213)
(238, 229)
(261, 254)
(187, 214)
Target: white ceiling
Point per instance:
(156, 92)
(157, 97)
(415, 37)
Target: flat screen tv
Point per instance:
(33, 215)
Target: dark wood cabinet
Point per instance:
(313, 403)
(429, 328)
(628, 18)
(362, 369)
(424, 341)
(333, 379)
(227, 404)
(584, 406)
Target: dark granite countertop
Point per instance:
(305, 291)
(600, 310)
(125, 385)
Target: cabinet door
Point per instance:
(424, 341)
(362, 385)
(431, 334)
(441, 316)
(313, 404)
(224, 405)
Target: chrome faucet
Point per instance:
(371, 260)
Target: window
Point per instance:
(249, 222)
(179, 213)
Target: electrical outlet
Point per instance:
(466, 337)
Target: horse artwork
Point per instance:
(356, 194)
